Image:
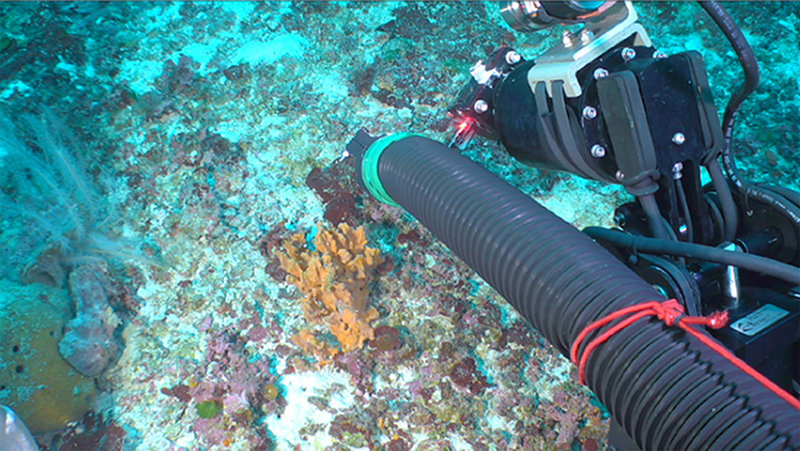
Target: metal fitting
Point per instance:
(628, 54)
(600, 73)
(480, 106)
(659, 55)
(677, 171)
(678, 138)
(567, 38)
(589, 112)
(598, 151)
(731, 286)
(513, 57)
(586, 36)
(620, 176)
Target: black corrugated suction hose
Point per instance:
(665, 388)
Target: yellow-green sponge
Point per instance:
(34, 380)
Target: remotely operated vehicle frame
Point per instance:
(718, 365)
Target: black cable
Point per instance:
(790, 195)
(752, 76)
(728, 206)
(687, 215)
(654, 218)
(774, 197)
(750, 262)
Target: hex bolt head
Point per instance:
(513, 57)
(598, 151)
(589, 112)
(566, 38)
(600, 73)
(586, 36)
(679, 138)
(659, 55)
(628, 54)
(677, 169)
(480, 106)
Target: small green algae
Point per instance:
(5, 42)
(208, 409)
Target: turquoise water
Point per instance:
(155, 159)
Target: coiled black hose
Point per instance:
(665, 388)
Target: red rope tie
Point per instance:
(671, 312)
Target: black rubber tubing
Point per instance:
(727, 205)
(752, 76)
(560, 280)
(790, 195)
(751, 262)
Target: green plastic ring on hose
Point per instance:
(369, 166)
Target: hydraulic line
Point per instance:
(561, 281)
(654, 218)
(729, 213)
(685, 209)
(780, 203)
(752, 76)
(750, 262)
(790, 195)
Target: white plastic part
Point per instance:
(14, 436)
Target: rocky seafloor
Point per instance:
(210, 134)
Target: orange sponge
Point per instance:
(334, 280)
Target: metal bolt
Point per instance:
(628, 54)
(678, 138)
(659, 55)
(620, 176)
(566, 38)
(676, 171)
(513, 57)
(589, 112)
(598, 151)
(600, 73)
(480, 106)
(586, 36)
(620, 219)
